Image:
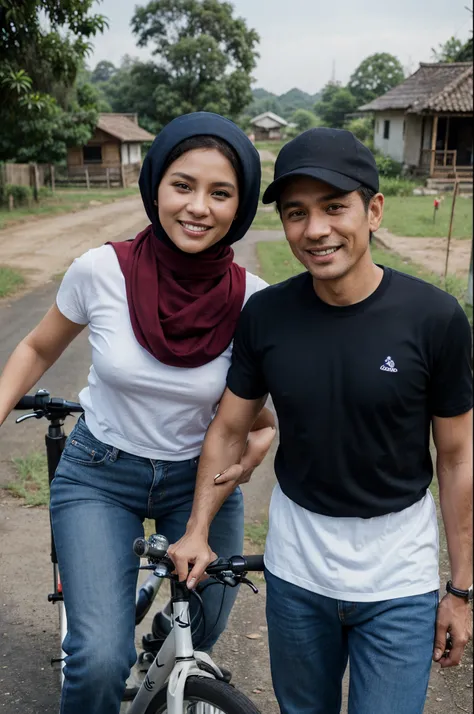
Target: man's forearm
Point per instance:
(264, 419)
(455, 479)
(220, 451)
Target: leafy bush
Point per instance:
(21, 194)
(387, 166)
(391, 186)
(362, 128)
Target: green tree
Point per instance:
(447, 51)
(304, 119)
(205, 56)
(362, 128)
(134, 87)
(103, 72)
(42, 47)
(466, 52)
(375, 76)
(335, 103)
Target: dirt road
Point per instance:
(430, 252)
(28, 626)
(44, 248)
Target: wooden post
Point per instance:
(446, 141)
(11, 202)
(53, 178)
(88, 183)
(434, 136)
(34, 181)
(455, 193)
(107, 172)
(122, 174)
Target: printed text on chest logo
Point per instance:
(389, 365)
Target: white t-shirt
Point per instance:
(134, 402)
(354, 559)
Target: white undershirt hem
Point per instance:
(417, 589)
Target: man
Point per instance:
(360, 361)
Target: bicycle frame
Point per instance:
(175, 661)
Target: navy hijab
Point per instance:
(203, 124)
(184, 307)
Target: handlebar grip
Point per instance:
(28, 402)
(254, 563)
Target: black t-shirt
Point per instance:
(355, 388)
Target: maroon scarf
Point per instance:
(183, 308)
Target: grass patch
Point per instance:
(62, 201)
(412, 216)
(255, 536)
(10, 281)
(277, 263)
(273, 146)
(32, 483)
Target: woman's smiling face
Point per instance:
(198, 199)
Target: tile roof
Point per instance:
(441, 87)
(123, 126)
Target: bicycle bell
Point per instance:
(160, 543)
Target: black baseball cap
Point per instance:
(334, 156)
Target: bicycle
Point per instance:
(177, 678)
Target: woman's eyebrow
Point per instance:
(188, 177)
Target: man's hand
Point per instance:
(192, 549)
(454, 616)
(258, 444)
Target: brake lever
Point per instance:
(246, 581)
(232, 581)
(34, 415)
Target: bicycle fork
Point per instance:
(175, 661)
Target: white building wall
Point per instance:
(131, 153)
(135, 153)
(413, 138)
(392, 146)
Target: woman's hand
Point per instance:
(258, 444)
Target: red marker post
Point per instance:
(436, 206)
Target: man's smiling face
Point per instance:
(328, 230)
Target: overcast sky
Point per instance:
(300, 40)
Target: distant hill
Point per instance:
(284, 105)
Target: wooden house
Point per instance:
(425, 122)
(113, 155)
(267, 126)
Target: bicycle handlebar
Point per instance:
(237, 564)
(43, 402)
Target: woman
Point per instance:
(161, 311)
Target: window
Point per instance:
(386, 129)
(92, 154)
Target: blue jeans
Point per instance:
(99, 498)
(389, 645)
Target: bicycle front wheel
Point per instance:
(203, 695)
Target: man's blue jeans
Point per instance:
(389, 646)
(99, 498)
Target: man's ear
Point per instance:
(375, 212)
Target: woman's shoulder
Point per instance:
(253, 285)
